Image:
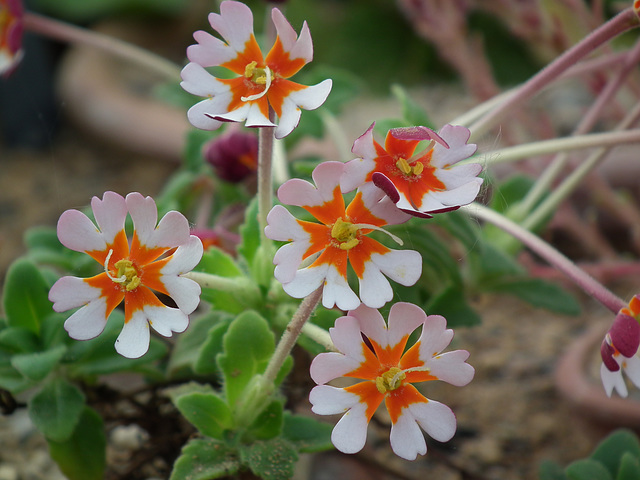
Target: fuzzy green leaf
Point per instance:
(18, 340)
(26, 296)
(539, 293)
(83, 455)
(451, 304)
(274, 459)
(205, 459)
(56, 409)
(37, 365)
(207, 412)
(629, 467)
(587, 469)
(220, 263)
(551, 471)
(610, 450)
(269, 422)
(248, 345)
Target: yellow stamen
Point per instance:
(418, 168)
(390, 380)
(259, 76)
(127, 275)
(345, 233)
(403, 166)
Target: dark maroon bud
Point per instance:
(606, 352)
(233, 155)
(625, 335)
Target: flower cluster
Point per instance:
(261, 84)
(619, 350)
(155, 260)
(374, 351)
(11, 13)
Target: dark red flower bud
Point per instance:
(625, 335)
(607, 352)
(233, 155)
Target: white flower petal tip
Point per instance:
(376, 352)
(130, 271)
(261, 83)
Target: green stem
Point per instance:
(581, 278)
(75, 35)
(243, 287)
(318, 335)
(623, 21)
(291, 334)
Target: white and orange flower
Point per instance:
(339, 239)
(262, 83)
(619, 350)
(420, 183)
(11, 27)
(130, 273)
(373, 351)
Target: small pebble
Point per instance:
(130, 437)
(8, 472)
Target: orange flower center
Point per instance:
(126, 274)
(390, 380)
(259, 76)
(409, 170)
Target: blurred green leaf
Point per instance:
(205, 459)
(587, 469)
(412, 114)
(306, 433)
(56, 409)
(551, 471)
(609, 452)
(452, 305)
(37, 365)
(18, 340)
(217, 262)
(538, 293)
(205, 363)
(26, 296)
(629, 467)
(83, 455)
(75, 11)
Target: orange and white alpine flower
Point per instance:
(420, 183)
(130, 271)
(340, 238)
(11, 27)
(262, 83)
(373, 351)
(619, 350)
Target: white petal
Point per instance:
(435, 337)
(197, 81)
(632, 369)
(364, 146)
(309, 98)
(337, 291)
(89, 321)
(184, 291)
(296, 47)
(328, 366)
(77, 232)
(287, 260)
(185, 258)
(450, 367)
(306, 281)
(234, 24)
(289, 119)
(301, 193)
(355, 173)
(328, 400)
(255, 117)
(458, 175)
(372, 324)
(401, 266)
(381, 205)
(144, 214)
(404, 318)
(238, 115)
(198, 114)
(612, 380)
(209, 51)
(456, 137)
(350, 433)
(166, 320)
(462, 195)
(435, 418)
(375, 289)
(133, 341)
(110, 214)
(72, 292)
(406, 438)
(347, 339)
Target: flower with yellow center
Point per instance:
(262, 84)
(377, 354)
(339, 238)
(131, 271)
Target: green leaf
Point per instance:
(462, 227)
(248, 345)
(12, 380)
(18, 340)
(220, 263)
(26, 296)
(452, 305)
(207, 412)
(411, 112)
(274, 459)
(306, 433)
(488, 264)
(587, 469)
(205, 459)
(37, 365)
(269, 422)
(611, 449)
(539, 293)
(205, 363)
(191, 353)
(250, 233)
(629, 467)
(83, 455)
(551, 471)
(56, 409)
